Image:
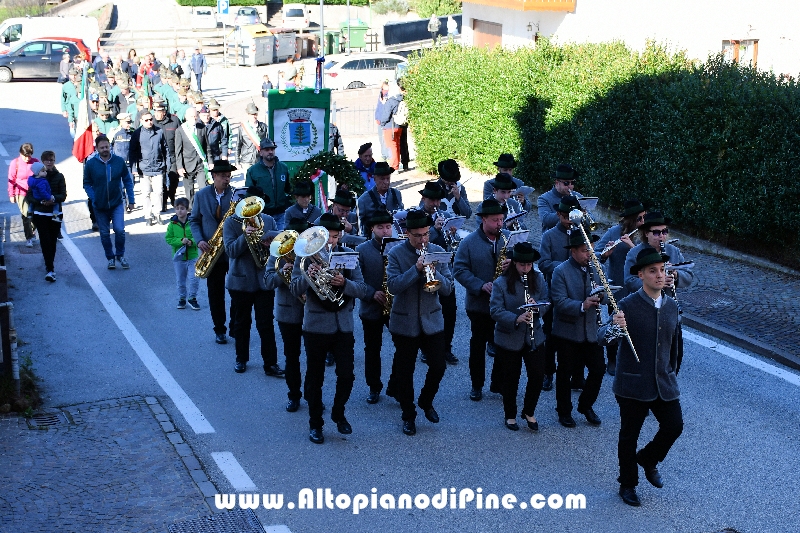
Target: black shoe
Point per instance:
(451, 359)
(240, 367)
(220, 338)
(329, 360)
(512, 426)
(316, 436)
(547, 382)
(629, 496)
(567, 421)
(651, 473)
(533, 426)
(423, 358)
(591, 416)
(494, 388)
(432, 415)
(344, 426)
(490, 349)
(274, 371)
(409, 427)
(578, 384)
(475, 395)
(292, 406)
(373, 398)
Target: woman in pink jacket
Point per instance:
(18, 173)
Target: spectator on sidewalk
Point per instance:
(251, 132)
(44, 211)
(63, 68)
(185, 64)
(199, 67)
(365, 165)
(266, 86)
(433, 27)
(390, 130)
(19, 170)
(335, 144)
(382, 97)
(184, 254)
(225, 124)
(169, 124)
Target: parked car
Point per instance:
(204, 18)
(17, 30)
(78, 42)
(295, 16)
(356, 71)
(35, 59)
(245, 16)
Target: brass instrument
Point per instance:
(431, 283)
(611, 245)
(249, 210)
(309, 246)
(501, 257)
(576, 217)
(207, 260)
(515, 225)
(589, 219)
(282, 248)
(452, 240)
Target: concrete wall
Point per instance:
(698, 26)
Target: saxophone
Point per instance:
(206, 262)
(501, 257)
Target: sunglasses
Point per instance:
(659, 232)
(568, 182)
(147, 120)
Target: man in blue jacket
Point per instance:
(150, 157)
(104, 176)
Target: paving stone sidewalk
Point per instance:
(107, 466)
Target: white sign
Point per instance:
(299, 132)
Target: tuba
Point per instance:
(204, 264)
(431, 283)
(282, 249)
(249, 210)
(312, 247)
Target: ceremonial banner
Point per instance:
(298, 124)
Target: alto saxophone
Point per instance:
(501, 257)
(206, 261)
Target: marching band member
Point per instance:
(373, 306)
(475, 267)
(575, 321)
(289, 314)
(416, 320)
(382, 196)
(505, 165)
(323, 330)
(455, 199)
(502, 185)
(518, 334)
(245, 283)
(210, 206)
(563, 185)
(303, 192)
(342, 207)
(631, 217)
(651, 384)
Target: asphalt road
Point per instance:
(733, 467)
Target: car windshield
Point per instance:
(294, 13)
(204, 13)
(247, 11)
(330, 64)
(17, 46)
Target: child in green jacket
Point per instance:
(184, 254)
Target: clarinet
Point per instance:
(594, 286)
(674, 290)
(526, 296)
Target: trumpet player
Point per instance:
(505, 165)
(502, 187)
(210, 206)
(416, 320)
(289, 314)
(245, 284)
(619, 236)
(324, 330)
(381, 196)
(455, 199)
(649, 385)
(564, 179)
(478, 258)
(375, 304)
(518, 334)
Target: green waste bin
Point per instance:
(358, 31)
(331, 42)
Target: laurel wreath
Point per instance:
(336, 166)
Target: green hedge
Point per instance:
(247, 3)
(715, 145)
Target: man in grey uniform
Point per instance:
(563, 185)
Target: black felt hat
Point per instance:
(345, 198)
(449, 171)
(503, 182)
(565, 172)
(382, 168)
(381, 216)
(222, 165)
(524, 252)
(298, 224)
(506, 161)
(632, 207)
(568, 203)
(655, 218)
(331, 222)
(647, 256)
(255, 190)
(433, 190)
(491, 206)
(418, 219)
(303, 187)
(576, 238)
(363, 148)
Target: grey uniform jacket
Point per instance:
(654, 332)
(371, 260)
(414, 311)
(460, 207)
(203, 219)
(633, 283)
(488, 190)
(552, 250)
(352, 239)
(317, 319)
(294, 211)
(569, 288)
(288, 308)
(504, 308)
(616, 261)
(370, 201)
(243, 275)
(475, 265)
(547, 210)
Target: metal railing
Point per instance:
(354, 120)
(210, 40)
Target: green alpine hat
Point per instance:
(418, 219)
(503, 182)
(345, 198)
(331, 222)
(565, 172)
(632, 207)
(491, 206)
(568, 203)
(524, 252)
(576, 238)
(302, 187)
(381, 216)
(655, 218)
(433, 190)
(647, 256)
(298, 224)
(382, 168)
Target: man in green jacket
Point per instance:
(273, 177)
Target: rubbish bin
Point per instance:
(358, 30)
(331, 42)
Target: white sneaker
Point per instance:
(51, 276)
(29, 243)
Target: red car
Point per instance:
(78, 42)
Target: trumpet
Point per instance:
(512, 212)
(452, 240)
(588, 218)
(431, 283)
(611, 245)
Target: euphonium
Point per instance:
(282, 248)
(431, 283)
(501, 257)
(309, 246)
(206, 261)
(249, 210)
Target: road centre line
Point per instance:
(236, 475)
(792, 378)
(3, 152)
(146, 354)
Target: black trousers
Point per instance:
(373, 342)
(292, 335)
(632, 415)
(449, 309)
(572, 355)
(342, 344)
(48, 237)
(402, 378)
(512, 371)
(551, 348)
(404, 155)
(482, 328)
(242, 306)
(91, 212)
(215, 282)
(189, 180)
(170, 187)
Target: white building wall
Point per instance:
(698, 26)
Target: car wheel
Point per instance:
(356, 85)
(5, 75)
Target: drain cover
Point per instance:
(237, 521)
(46, 419)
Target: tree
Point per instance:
(426, 8)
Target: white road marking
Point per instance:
(3, 152)
(8, 162)
(792, 378)
(146, 354)
(236, 475)
(276, 529)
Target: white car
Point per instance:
(204, 18)
(295, 16)
(356, 71)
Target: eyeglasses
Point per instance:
(419, 235)
(147, 120)
(568, 182)
(659, 232)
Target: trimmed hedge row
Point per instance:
(247, 3)
(715, 145)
